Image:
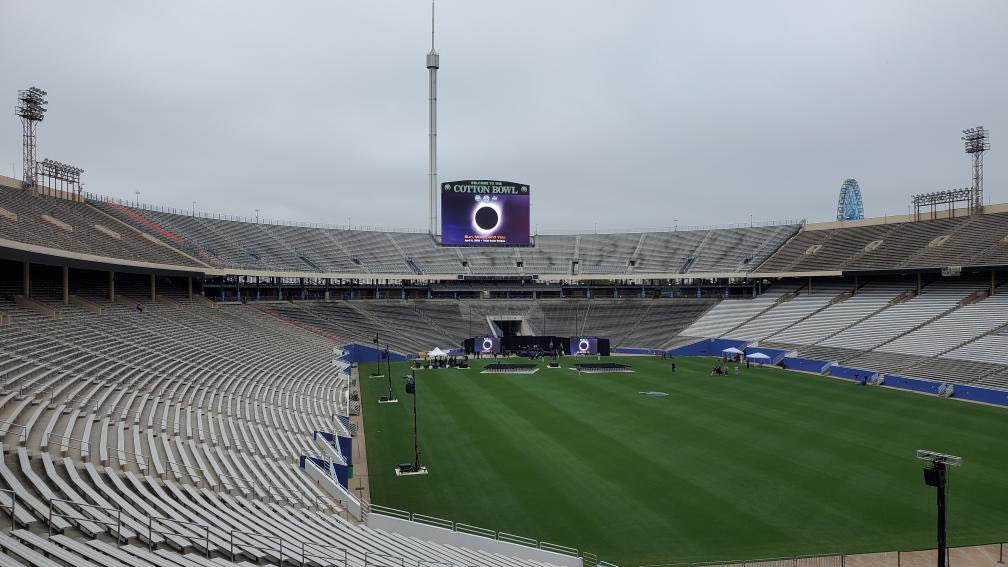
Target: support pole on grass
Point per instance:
(937, 476)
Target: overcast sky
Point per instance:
(620, 115)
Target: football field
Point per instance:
(766, 464)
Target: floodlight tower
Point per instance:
(433, 62)
(31, 108)
(976, 144)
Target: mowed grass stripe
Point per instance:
(768, 463)
(688, 506)
(710, 426)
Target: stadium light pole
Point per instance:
(377, 372)
(937, 476)
(412, 389)
(414, 468)
(390, 398)
(31, 108)
(388, 371)
(977, 142)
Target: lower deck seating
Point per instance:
(178, 427)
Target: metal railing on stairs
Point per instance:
(459, 527)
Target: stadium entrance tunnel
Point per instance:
(509, 328)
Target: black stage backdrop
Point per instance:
(540, 344)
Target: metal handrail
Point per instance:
(520, 540)
(561, 549)
(193, 471)
(231, 542)
(475, 530)
(248, 481)
(305, 555)
(13, 506)
(114, 456)
(434, 521)
(389, 511)
(370, 554)
(49, 436)
(117, 524)
(151, 531)
(24, 429)
(458, 527)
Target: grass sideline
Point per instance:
(767, 464)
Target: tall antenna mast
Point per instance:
(432, 66)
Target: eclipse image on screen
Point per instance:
(486, 218)
(583, 345)
(487, 345)
(484, 212)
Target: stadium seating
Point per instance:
(731, 313)
(935, 299)
(869, 299)
(977, 240)
(76, 227)
(662, 321)
(795, 309)
(957, 328)
(419, 325)
(185, 418)
(261, 246)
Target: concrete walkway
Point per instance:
(359, 483)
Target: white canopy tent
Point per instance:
(436, 352)
(758, 357)
(731, 350)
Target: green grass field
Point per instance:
(770, 463)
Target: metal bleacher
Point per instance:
(169, 434)
(277, 247)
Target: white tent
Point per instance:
(436, 352)
(758, 357)
(731, 350)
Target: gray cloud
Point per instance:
(620, 114)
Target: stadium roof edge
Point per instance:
(894, 219)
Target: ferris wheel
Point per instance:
(849, 206)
